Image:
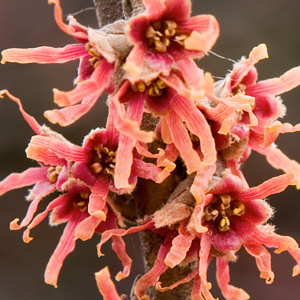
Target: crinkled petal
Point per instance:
(263, 261)
(19, 180)
(242, 68)
(97, 199)
(279, 160)
(94, 86)
(126, 126)
(58, 15)
(276, 86)
(198, 125)
(40, 190)
(69, 115)
(106, 285)
(65, 246)
(118, 245)
(230, 292)
(180, 246)
(201, 182)
(182, 141)
(44, 55)
(152, 276)
(50, 151)
(269, 187)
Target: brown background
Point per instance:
(244, 24)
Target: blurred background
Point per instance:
(244, 25)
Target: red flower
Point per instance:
(94, 73)
(165, 34)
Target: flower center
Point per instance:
(53, 172)
(160, 34)
(104, 160)
(81, 201)
(221, 209)
(93, 53)
(154, 88)
(240, 88)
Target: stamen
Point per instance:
(95, 56)
(104, 160)
(161, 35)
(53, 172)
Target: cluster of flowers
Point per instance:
(146, 65)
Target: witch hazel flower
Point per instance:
(166, 34)
(97, 54)
(231, 215)
(46, 178)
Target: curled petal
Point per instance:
(279, 160)
(36, 127)
(154, 8)
(58, 15)
(94, 86)
(263, 261)
(118, 246)
(151, 277)
(68, 115)
(97, 199)
(272, 131)
(106, 286)
(229, 292)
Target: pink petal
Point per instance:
(41, 216)
(180, 246)
(196, 292)
(106, 286)
(245, 65)
(36, 127)
(269, 187)
(40, 190)
(69, 115)
(65, 246)
(152, 276)
(230, 292)
(198, 125)
(272, 131)
(44, 55)
(124, 125)
(276, 86)
(124, 156)
(58, 14)
(205, 31)
(186, 279)
(94, 86)
(177, 9)
(182, 141)
(279, 160)
(97, 199)
(134, 61)
(121, 232)
(118, 246)
(263, 261)
(86, 228)
(205, 245)
(192, 75)
(201, 182)
(154, 8)
(50, 151)
(26, 178)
